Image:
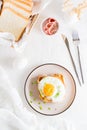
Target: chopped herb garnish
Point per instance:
(59, 86)
(34, 99)
(44, 102)
(30, 101)
(49, 108)
(44, 84)
(40, 107)
(39, 103)
(31, 93)
(34, 82)
(41, 92)
(57, 94)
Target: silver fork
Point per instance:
(76, 40)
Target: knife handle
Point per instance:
(80, 64)
(73, 63)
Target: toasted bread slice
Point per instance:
(59, 76)
(10, 22)
(14, 17)
(19, 7)
(23, 3)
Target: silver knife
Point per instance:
(67, 45)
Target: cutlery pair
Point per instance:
(76, 40)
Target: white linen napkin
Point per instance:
(14, 116)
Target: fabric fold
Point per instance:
(14, 116)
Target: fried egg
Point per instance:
(51, 88)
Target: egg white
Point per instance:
(59, 88)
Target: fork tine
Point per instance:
(75, 36)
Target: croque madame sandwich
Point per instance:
(51, 88)
(15, 15)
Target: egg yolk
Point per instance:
(48, 89)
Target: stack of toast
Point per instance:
(15, 15)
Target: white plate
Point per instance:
(32, 94)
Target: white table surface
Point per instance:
(42, 49)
